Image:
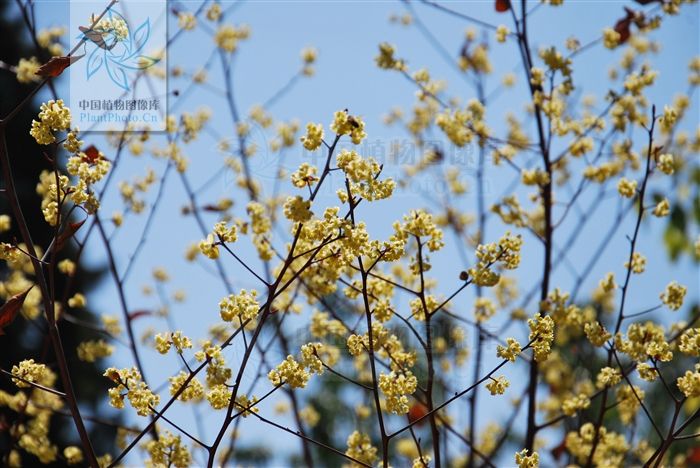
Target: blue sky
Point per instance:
(346, 35)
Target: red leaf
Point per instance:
(139, 313)
(502, 5)
(559, 450)
(9, 310)
(56, 65)
(92, 154)
(67, 233)
(693, 456)
(622, 27)
(417, 411)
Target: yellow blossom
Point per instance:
(77, 301)
(244, 305)
(511, 352)
(542, 336)
(346, 124)
(498, 385)
(73, 455)
(92, 350)
(53, 117)
(608, 377)
(673, 295)
(663, 208)
(360, 448)
(627, 188)
(314, 136)
(689, 383)
(638, 263)
(523, 460)
(130, 386)
(611, 38)
(29, 371)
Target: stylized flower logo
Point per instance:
(117, 48)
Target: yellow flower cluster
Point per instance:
(49, 39)
(92, 350)
(523, 460)
(646, 372)
(219, 396)
(611, 38)
(214, 12)
(502, 33)
(360, 448)
(476, 58)
(596, 333)
(396, 386)
(132, 387)
(286, 135)
(297, 209)
(244, 305)
(456, 125)
(498, 385)
(510, 352)
(226, 233)
(77, 301)
(186, 20)
(627, 188)
(314, 136)
(386, 59)
(419, 223)
(644, 341)
(259, 220)
(321, 326)
(289, 372)
(572, 405)
(346, 124)
(73, 454)
(26, 70)
(114, 26)
(176, 339)
(690, 342)
(168, 450)
(53, 117)
(629, 398)
(610, 451)
(673, 295)
(363, 174)
(311, 354)
(28, 371)
(305, 175)
(385, 345)
(227, 36)
(193, 391)
(665, 163)
(484, 309)
(247, 405)
(534, 177)
(505, 252)
(541, 335)
(36, 407)
(209, 247)
(5, 223)
(608, 377)
(663, 208)
(308, 57)
(638, 263)
(689, 383)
